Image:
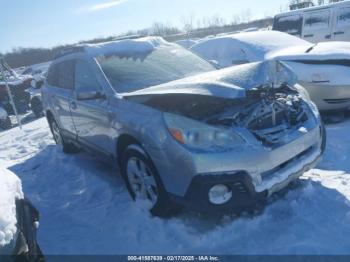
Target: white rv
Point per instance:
(317, 24)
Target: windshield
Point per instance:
(166, 63)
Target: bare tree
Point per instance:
(188, 23)
(236, 19)
(246, 16)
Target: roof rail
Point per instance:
(70, 50)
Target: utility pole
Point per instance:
(3, 67)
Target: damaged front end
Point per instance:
(273, 108)
(271, 115)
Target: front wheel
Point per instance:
(143, 181)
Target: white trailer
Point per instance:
(317, 24)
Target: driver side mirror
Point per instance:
(90, 95)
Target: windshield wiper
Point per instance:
(310, 48)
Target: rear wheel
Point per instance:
(68, 148)
(143, 181)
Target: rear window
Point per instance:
(164, 64)
(289, 24)
(317, 20)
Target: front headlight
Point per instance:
(306, 97)
(302, 92)
(195, 134)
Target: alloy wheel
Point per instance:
(142, 180)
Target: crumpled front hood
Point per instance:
(231, 82)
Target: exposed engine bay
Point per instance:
(268, 113)
(271, 113)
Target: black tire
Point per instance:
(6, 124)
(36, 106)
(163, 206)
(67, 147)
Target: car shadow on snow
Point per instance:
(82, 198)
(335, 117)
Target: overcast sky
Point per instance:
(46, 23)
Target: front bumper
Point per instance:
(276, 169)
(244, 195)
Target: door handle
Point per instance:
(73, 105)
(309, 35)
(339, 33)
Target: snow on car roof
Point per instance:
(139, 47)
(186, 43)
(257, 44)
(320, 51)
(10, 190)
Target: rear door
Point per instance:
(317, 25)
(341, 31)
(61, 83)
(90, 116)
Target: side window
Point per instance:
(84, 78)
(343, 16)
(52, 76)
(317, 20)
(62, 75)
(289, 24)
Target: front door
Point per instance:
(90, 116)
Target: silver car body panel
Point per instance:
(99, 124)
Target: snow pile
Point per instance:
(267, 45)
(136, 48)
(10, 189)
(250, 46)
(321, 51)
(85, 207)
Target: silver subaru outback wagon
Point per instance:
(183, 133)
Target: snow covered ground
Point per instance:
(85, 208)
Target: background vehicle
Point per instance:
(317, 24)
(19, 221)
(323, 69)
(182, 131)
(5, 121)
(24, 88)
